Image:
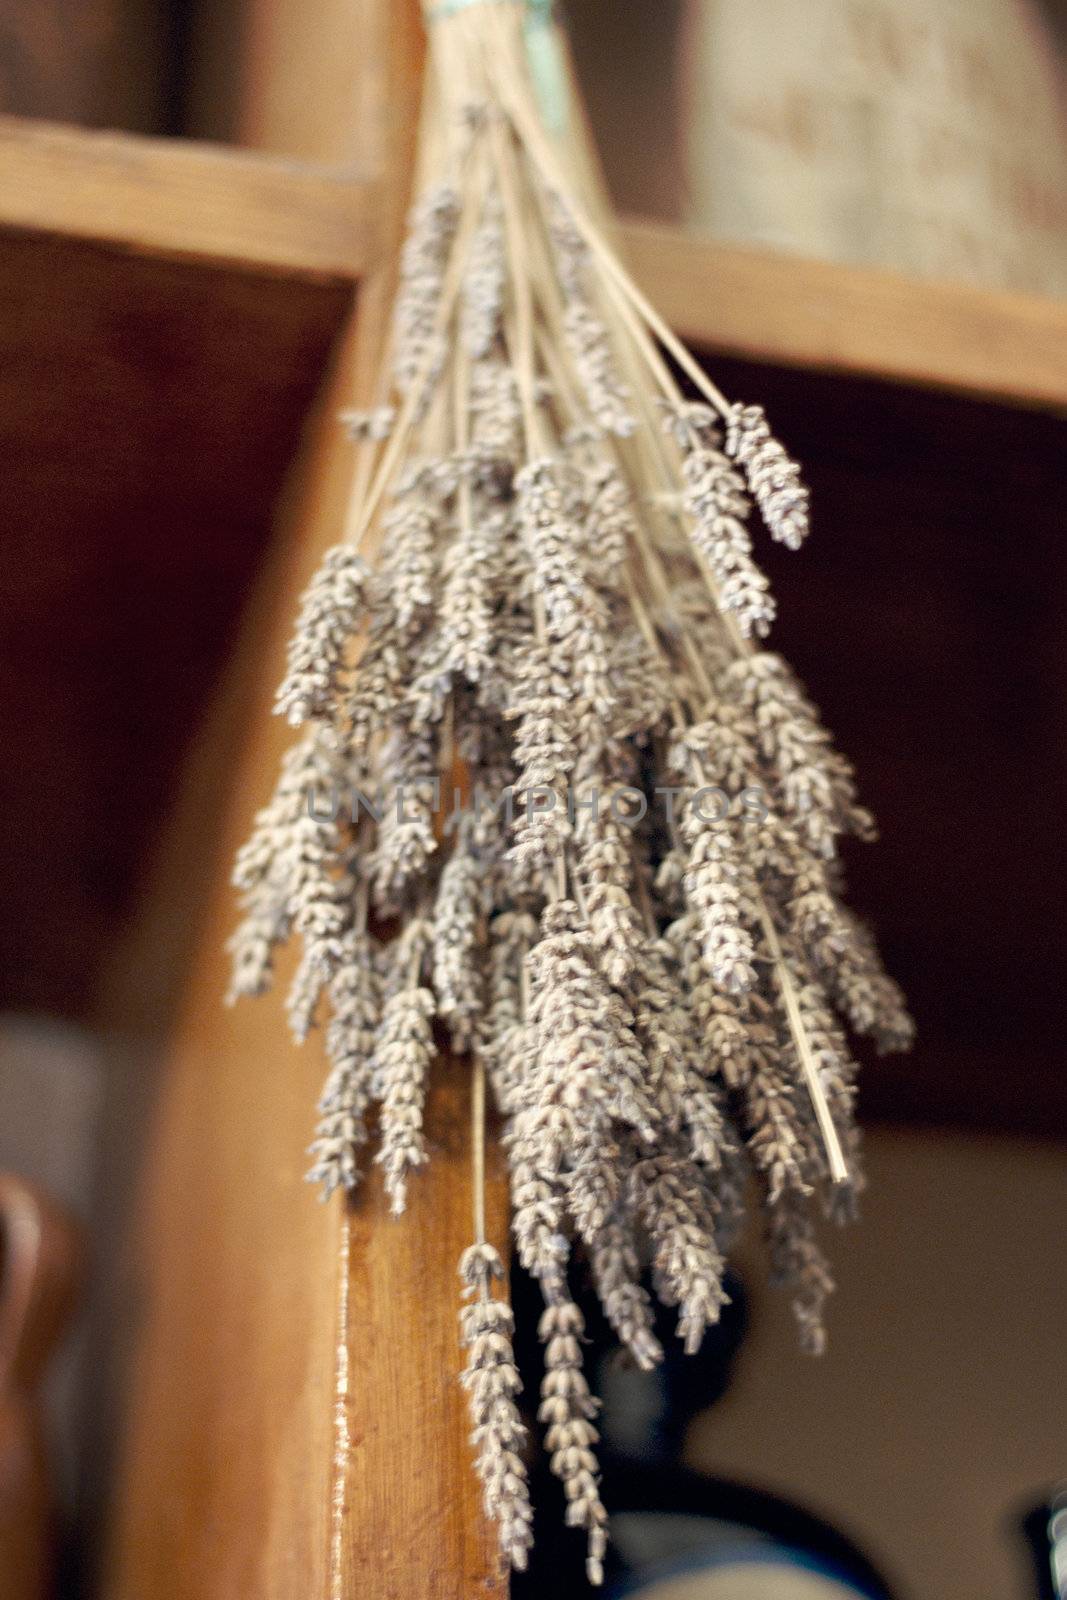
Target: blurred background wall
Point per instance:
(923, 135)
(100, 63)
(940, 1403)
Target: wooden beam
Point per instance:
(294, 1421)
(201, 202)
(798, 313)
(263, 212)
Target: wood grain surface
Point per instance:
(295, 1428)
(149, 413)
(263, 212)
(201, 202)
(856, 320)
(305, 81)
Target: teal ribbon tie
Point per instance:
(544, 57)
(548, 71)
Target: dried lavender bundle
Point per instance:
(596, 820)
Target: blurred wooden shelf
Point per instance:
(169, 314)
(792, 312)
(261, 213)
(178, 199)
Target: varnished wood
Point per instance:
(307, 81)
(854, 320)
(410, 1517)
(149, 412)
(320, 220)
(294, 1424)
(203, 203)
(253, 1299)
(226, 1320)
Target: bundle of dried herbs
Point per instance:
(541, 739)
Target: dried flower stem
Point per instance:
(478, 1147)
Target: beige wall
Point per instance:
(942, 1401)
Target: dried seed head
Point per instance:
(772, 477)
(330, 610)
(432, 227)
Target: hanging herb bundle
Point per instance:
(630, 917)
